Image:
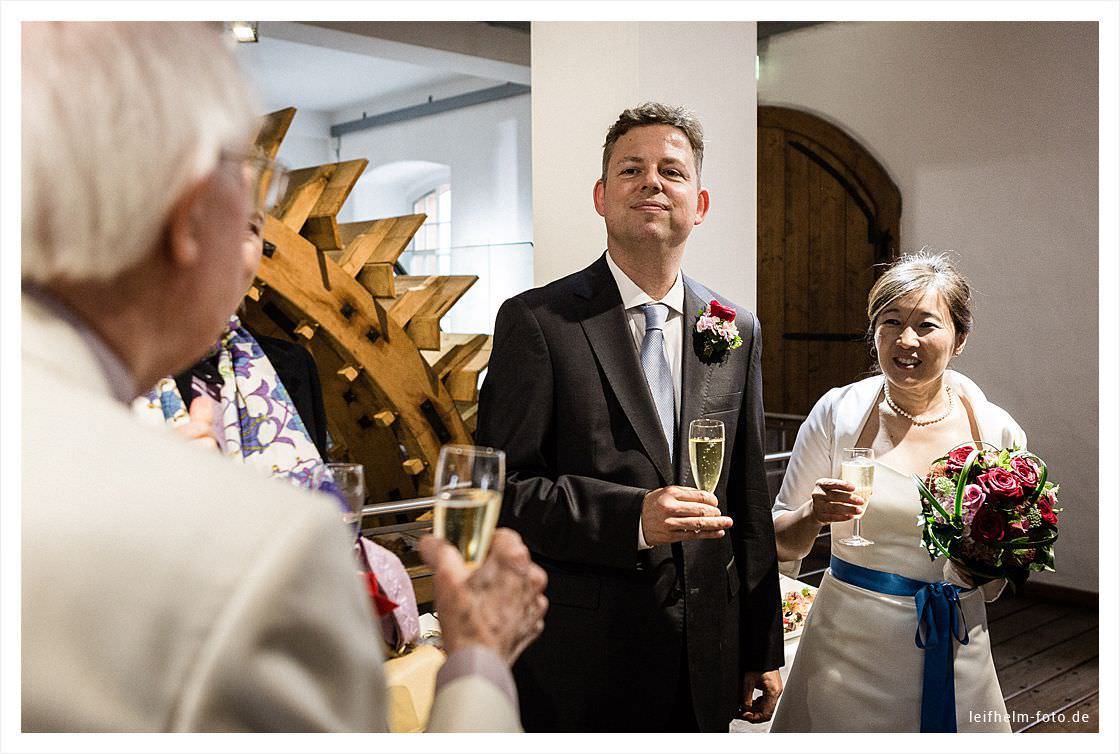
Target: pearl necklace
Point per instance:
(915, 422)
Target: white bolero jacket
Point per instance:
(837, 420)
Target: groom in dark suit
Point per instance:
(664, 605)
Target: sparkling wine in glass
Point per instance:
(469, 484)
(705, 452)
(858, 467)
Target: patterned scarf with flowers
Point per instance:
(256, 421)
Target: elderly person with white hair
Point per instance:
(858, 668)
(155, 597)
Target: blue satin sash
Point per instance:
(940, 620)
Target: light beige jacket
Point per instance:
(166, 589)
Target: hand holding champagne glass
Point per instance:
(705, 452)
(469, 485)
(858, 468)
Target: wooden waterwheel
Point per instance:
(395, 387)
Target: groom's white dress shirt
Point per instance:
(632, 299)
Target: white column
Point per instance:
(584, 75)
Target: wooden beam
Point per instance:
(377, 241)
(463, 382)
(429, 296)
(304, 190)
(273, 129)
(460, 348)
(378, 279)
(343, 176)
(424, 331)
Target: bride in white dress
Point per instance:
(858, 667)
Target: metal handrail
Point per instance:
(785, 417)
(399, 506)
(783, 422)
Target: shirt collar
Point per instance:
(633, 296)
(119, 380)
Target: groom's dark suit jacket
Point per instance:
(566, 398)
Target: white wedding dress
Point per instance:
(857, 667)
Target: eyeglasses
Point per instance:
(269, 178)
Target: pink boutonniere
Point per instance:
(716, 333)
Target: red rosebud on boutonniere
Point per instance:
(716, 333)
(718, 310)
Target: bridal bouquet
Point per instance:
(992, 512)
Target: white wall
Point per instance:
(307, 142)
(584, 75)
(390, 189)
(990, 132)
(487, 149)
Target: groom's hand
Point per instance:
(676, 514)
(761, 709)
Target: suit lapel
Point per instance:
(695, 377)
(608, 332)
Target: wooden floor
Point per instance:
(1046, 656)
(1045, 651)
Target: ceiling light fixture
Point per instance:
(244, 31)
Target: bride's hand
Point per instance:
(833, 501)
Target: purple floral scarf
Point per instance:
(256, 421)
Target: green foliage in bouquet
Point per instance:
(992, 512)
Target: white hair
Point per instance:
(119, 119)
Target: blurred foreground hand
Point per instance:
(200, 430)
(500, 604)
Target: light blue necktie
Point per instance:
(656, 367)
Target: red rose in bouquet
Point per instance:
(1046, 509)
(957, 456)
(992, 512)
(988, 525)
(1001, 482)
(1025, 470)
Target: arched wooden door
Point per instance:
(827, 214)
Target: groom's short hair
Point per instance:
(657, 114)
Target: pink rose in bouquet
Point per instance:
(992, 512)
(974, 497)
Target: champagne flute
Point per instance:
(858, 467)
(349, 479)
(469, 484)
(705, 452)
